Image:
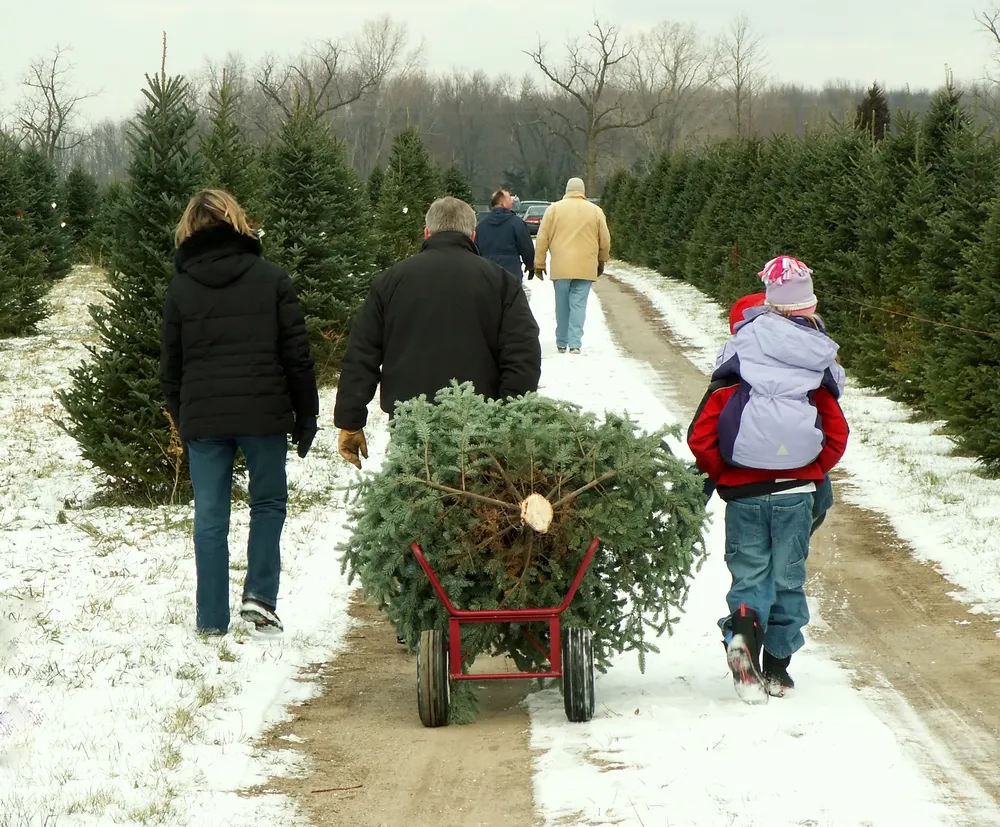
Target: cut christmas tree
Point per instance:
(466, 478)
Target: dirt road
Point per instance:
(891, 621)
(364, 734)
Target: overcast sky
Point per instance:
(808, 42)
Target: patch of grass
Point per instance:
(182, 721)
(188, 672)
(226, 654)
(95, 803)
(97, 606)
(159, 812)
(209, 693)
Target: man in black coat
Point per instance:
(236, 373)
(503, 237)
(444, 314)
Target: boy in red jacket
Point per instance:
(767, 433)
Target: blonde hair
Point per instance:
(211, 208)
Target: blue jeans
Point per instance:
(767, 543)
(211, 462)
(571, 310)
(822, 502)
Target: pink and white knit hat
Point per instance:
(788, 283)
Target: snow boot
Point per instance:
(264, 623)
(743, 655)
(779, 683)
(561, 349)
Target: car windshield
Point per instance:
(535, 212)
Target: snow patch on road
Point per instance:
(675, 746)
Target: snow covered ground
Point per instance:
(112, 710)
(899, 467)
(675, 747)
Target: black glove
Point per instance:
(707, 486)
(303, 433)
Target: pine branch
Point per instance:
(592, 484)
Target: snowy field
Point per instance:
(112, 709)
(675, 747)
(902, 468)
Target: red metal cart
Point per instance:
(570, 655)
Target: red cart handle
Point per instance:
(522, 613)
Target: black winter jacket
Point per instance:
(444, 314)
(234, 352)
(503, 238)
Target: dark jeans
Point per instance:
(211, 462)
(767, 543)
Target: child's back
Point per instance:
(767, 433)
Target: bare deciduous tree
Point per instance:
(674, 65)
(46, 112)
(334, 74)
(741, 72)
(598, 81)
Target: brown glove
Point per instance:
(350, 444)
(600, 268)
(539, 273)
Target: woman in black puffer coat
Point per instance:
(237, 374)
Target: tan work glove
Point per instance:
(538, 274)
(350, 444)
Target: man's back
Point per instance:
(574, 232)
(445, 314)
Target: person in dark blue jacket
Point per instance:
(502, 237)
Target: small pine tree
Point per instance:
(411, 185)
(317, 229)
(231, 164)
(80, 200)
(945, 114)
(454, 183)
(115, 405)
(872, 116)
(103, 228)
(43, 211)
(373, 188)
(22, 265)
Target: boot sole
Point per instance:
(747, 679)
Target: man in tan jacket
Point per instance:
(574, 232)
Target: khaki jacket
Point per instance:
(575, 233)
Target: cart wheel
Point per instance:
(578, 675)
(432, 678)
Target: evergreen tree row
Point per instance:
(34, 242)
(900, 224)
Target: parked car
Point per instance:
(533, 217)
(524, 206)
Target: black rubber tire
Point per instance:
(433, 689)
(578, 675)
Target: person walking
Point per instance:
(767, 433)
(574, 233)
(444, 314)
(237, 374)
(503, 238)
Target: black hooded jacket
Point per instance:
(503, 238)
(234, 352)
(444, 314)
